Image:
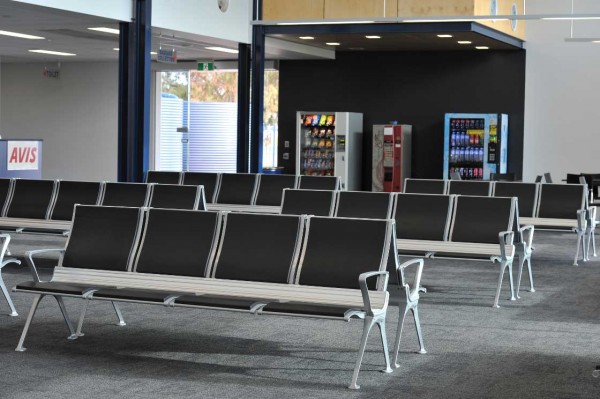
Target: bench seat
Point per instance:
(35, 224)
(455, 248)
(550, 222)
(245, 208)
(351, 298)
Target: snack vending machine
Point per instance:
(330, 144)
(475, 145)
(392, 146)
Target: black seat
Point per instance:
(319, 183)
(561, 201)
(177, 197)
(358, 204)
(502, 176)
(422, 216)
(270, 189)
(259, 247)
(31, 199)
(193, 233)
(71, 193)
(103, 238)
(237, 188)
(357, 245)
(308, 202)
(209, 181)
(526, 193)
(163, 177)
(478, 188)
(481, 219)
(424, 186)
(5, 186)
(125, 194)
(573, 178)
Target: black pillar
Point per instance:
(243, 137)
(134, 93)
(258, 88)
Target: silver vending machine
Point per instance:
(330, 144)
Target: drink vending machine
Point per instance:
(475, 145)
(330, 144)
(392, 147)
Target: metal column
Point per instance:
(243, 137)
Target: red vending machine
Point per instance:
(391, 157)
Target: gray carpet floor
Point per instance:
(544, 345)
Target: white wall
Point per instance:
(75, 115)
(562, 99)
(121, 10)
(203, 17)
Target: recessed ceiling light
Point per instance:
(373, 37)
(444, 36)
(464, 42)
(106, 30)
(153, 53)
(326, 22)
(482, 47)
(596, 41)
(223, 50)
(52, 52)
(306, 38)
(116, 49)
(332, 43)
(20, 35)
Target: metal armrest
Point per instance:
(29, 257)
(506, 238)
(411, 294)
(5, 241)
(364, 290)
(526, 233)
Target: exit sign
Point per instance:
(206, 66)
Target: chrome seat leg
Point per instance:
(522, 258)
(503, 265)
(415, 312)
(384, 344)
(34, 306)
(63, 310)
(531, 289)
(81, 317)
(119, 314)
(367, 326)
(398, 336)
(13, 311)
(579, 242)
(511, 283)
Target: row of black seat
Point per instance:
(258, 263)
(244, 188)
(48, 204)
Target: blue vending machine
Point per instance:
(475, 145)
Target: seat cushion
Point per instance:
(306, 309)
(51, 287)
(218, 302)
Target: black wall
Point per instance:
(415, 88)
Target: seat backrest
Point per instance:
(548, 177)
(319, 183)
(423, 216)
(308, 202)
(425, 186)
(103, 238)
(177, 197)
(538, 178)
(481, 219)
(573, 178)
(237, 188)
(270, 188)
(259, 247)
(71, 193)
(469, 187)
(337, 250)
(178, 242)
(502, 176)
(126, 194)
(31, 199)
(561, 201)
(361, 204)
(5, 193)
(527, 194)
(210, 182)
(163, 177)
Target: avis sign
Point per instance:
(22, 155)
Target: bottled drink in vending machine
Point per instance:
(453, 138)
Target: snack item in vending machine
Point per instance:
(307, 142)
(315, 120)
(321, 143)
(307, 120)
(330, 120)
(329, 134)
(322, 133)
(329, 144)
(323, 120)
